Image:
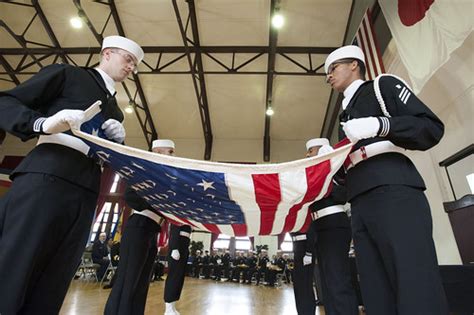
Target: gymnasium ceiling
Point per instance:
(211, 67)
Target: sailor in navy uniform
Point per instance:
(303, 247)
(391, 218)
(178, 254)
(138, 250)
(46, 216)
(262, 265)
(331, 227)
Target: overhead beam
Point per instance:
(272, 41)
(148, 127)
(146, 123)
(9, 70)
(175, 49)
(197, 71)
(49, 29)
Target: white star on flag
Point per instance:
(206, 185)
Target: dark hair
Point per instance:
(361, 68)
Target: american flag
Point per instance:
(366, 40)
(163, 237)
(232, 199)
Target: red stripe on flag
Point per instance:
(239, 229)
(187, 222)
(5, 183)
(315, 178)
(369, 45)
(375, 43)
(362, 46)
(342, 143)
(212, 228)
(367, 41)
(267, 196)
(164, 235)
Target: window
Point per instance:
(106, 220)
(287, 244)
(114, 186)
(222, 242)
(242, 243)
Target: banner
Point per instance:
(426, 32)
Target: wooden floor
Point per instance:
(199, 297)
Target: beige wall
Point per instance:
(449, 93)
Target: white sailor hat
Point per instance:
(129, 45)
(316, 142)
(162, 143)
(350, 51)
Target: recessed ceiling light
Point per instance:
(76, 22)
(278, 20)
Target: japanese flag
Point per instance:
(426, 32)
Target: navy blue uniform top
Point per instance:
(51, 90)
(413, 126)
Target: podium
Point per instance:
(461, 216)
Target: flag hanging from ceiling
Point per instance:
(366, 40)
(426, 32)
(232, 199)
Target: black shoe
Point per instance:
(107, 286)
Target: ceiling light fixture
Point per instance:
(129, 108)
(269, 110)
(76, 22)
(278, 20)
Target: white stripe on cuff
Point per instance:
(38, 123)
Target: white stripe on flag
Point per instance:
(293, 187)
(226, 229)
(242, 191)
(363, 45)
(301, 218)
(371, 45)
(199, 226)
(368, 58)
(366, 41)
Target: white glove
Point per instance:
(325, 149)
(361, 128)
(175, 254)
(114, 130)
(61, 121)
(307, 260)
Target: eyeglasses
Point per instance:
(334, 65)
(129, 59)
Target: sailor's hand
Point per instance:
(114, 130)
(307, 260)
(361, 128)
(175, 254)
(60, 122)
